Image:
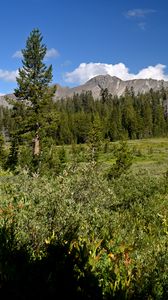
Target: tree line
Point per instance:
(127, 117)
(71, 120)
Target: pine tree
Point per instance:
(34, 77)
(34, 93)
(124, 157)
(129, 119)
(95, 138)
(12, 159)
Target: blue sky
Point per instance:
(86, 38)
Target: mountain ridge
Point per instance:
(115, 86)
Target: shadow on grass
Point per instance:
(56, 276)
(52, 277)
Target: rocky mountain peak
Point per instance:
(115, 86)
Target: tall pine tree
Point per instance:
(34, 93)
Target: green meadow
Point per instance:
(151, 154)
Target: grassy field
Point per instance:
(150, 154)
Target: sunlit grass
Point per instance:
(150, 154)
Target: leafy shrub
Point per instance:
(101, 239)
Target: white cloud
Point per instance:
(142, 25)
(9, 76)
(139, 13)
(17, 54)
(51, 53)
(86, 71)
(154, 72)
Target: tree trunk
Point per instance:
(36, 145)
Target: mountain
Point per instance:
(115, 86)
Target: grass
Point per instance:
(150, 154)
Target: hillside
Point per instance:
(115, 86)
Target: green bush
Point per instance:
(123, 157)
(100, 239)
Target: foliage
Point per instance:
(2, 151)
(129, 116)
(102, 233)
(94, 140)
(12, 159)
(123, 162)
